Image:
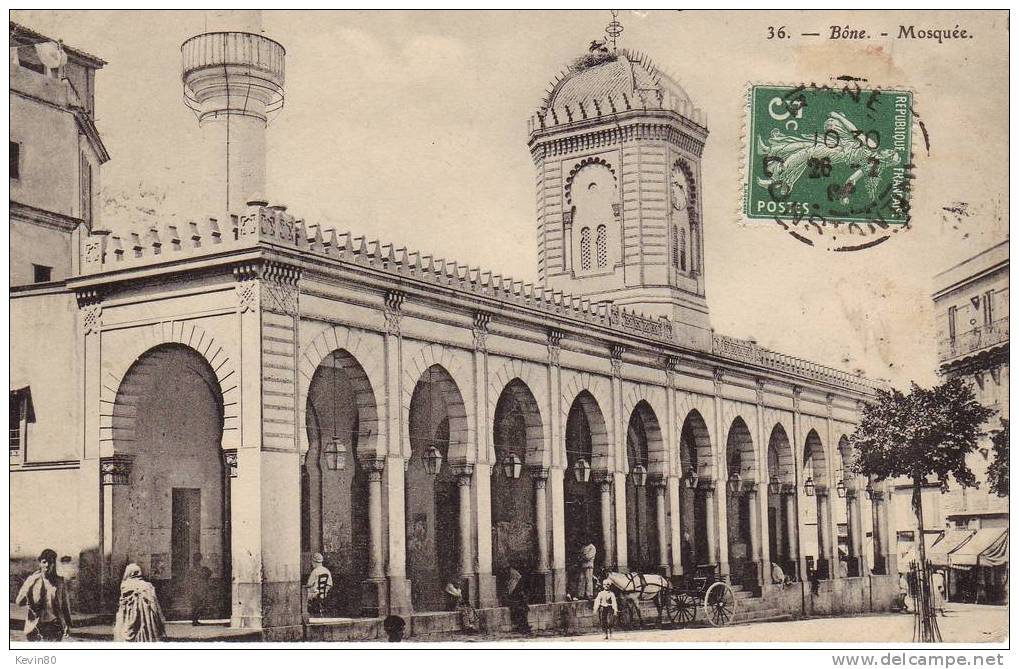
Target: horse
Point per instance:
(634, 588)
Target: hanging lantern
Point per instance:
(840, 489)
(336, 455)
(808, 486)
(433, 460)
(512, 466)
(582, 470)
(735, 482)
(690, 480)
(774, 485)
(639, 475)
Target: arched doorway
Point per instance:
(342, 425)
(586, 450)
(695, 461)
(644, 451)
(781, 502)
(816, 545)
(438, 430)
(176, 504)
(740, 495)
(517, 437)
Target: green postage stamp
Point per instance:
(829, 154)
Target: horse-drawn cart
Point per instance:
(678, 601)
(703, 589)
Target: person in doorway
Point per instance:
(687, 558)
(139, 617)
(197, 585)
(45, 594)
(586, 586)
(320, 583)
(606, 608)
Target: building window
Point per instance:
(585, 249)
(675, 246)
(951, 322)
(602, 243)
(988, 308)
(41, 273)
(15, 168)
(682, 249)
(15, 426)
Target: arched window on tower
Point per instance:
(585, 249)
(592, 192)
(602, 244)
(682, 249)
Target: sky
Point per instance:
(411, 127)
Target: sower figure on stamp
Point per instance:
(44, 592)
(197, 585)
(320, 583)
(585, 589)
(606, 608)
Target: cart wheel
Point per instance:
(682, 608)
(720, 604)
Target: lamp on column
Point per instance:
(808, 486)
(433, 460)
(691, 478)
(639, 475)
(774, 485)
(735, 482)
(336, 454)
(512, 465)
(582, 470)
(840, 488)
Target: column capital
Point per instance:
(373, 465)
(463, 473)
(393, 311)
(116, 469)
(539, 474)
(230, 461)
(706, 485)
(789, 489)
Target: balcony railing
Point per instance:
(971, 341)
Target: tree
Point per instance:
(997, 472)
(928, 432)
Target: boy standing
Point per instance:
(605, 607)
(49, 606)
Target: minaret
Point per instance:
(233, 80)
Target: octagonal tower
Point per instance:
(617, 145)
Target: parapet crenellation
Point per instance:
(650, 100)
(262, 225)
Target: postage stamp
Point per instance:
(829, 154)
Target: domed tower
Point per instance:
(618, 144)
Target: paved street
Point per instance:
(964, 623)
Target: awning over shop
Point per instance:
(987, 548)
(938, 554)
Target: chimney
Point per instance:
(233, 80)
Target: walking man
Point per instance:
(44, 592)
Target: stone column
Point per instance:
(754, 566)
(877, 511)
(114, 472)
(397, 455)
(464, 473)
(887, 532)
(604, 480)
(374, 596)
(675, 491)
(707, 487)
(557, 472)
(853, 514)
(792, 527)
(824, 561)
(540, 476)
(659, 488)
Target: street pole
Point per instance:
(927, 625)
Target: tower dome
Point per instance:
(599, 84)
